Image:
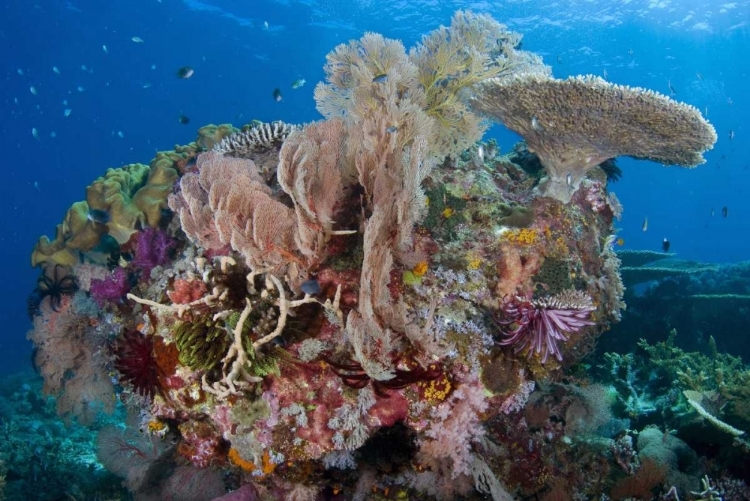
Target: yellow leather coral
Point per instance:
(133, 196)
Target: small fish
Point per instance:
(265, 25)
(700, 77)
(706, 111)
(480, 152)
(120, 134)
(84, 68)
(725, 211)
(183, 119)
(535, 124)
(604, 72)
(620, 241)
(104, 48)
(98, 216)
(137, 39)
(146, 85)
(56, 70)
(631, 52)
(665, 245)
(20, 71)
(277, 95)
(729, 101)
(35, 133)
(381, 78)
(80, 88)
(67, 112)
(671, 87)
(53, 134)
(298, 83)
(185, 72)
(310, 287)
(731, 135)
(153, 66)
(33, 90)
(391, 129)
(559, 59)
(36, 186)
(569, 180)
(645, 224)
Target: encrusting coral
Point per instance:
(578, 123)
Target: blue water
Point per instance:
(125, 102)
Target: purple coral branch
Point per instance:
(152, 248)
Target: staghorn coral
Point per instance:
(578, 123)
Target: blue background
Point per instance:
(701, 48)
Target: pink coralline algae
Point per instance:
(541, 323)
(111, 289)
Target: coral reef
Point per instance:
(367, 305)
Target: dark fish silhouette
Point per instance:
(665, 245)
(725, 211)
(185, 72)
(277, 95)
(98, 216)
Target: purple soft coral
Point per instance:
(152, 248)
(541, 323)
(111, 289)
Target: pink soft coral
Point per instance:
(541, 323)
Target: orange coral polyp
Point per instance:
(524, 236)
(420, 269)
(267, 467)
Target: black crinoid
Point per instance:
(55, 282)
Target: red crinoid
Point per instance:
(137, 364)
(538, 324)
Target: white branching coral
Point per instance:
(236, 364)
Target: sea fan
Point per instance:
(539, 324)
